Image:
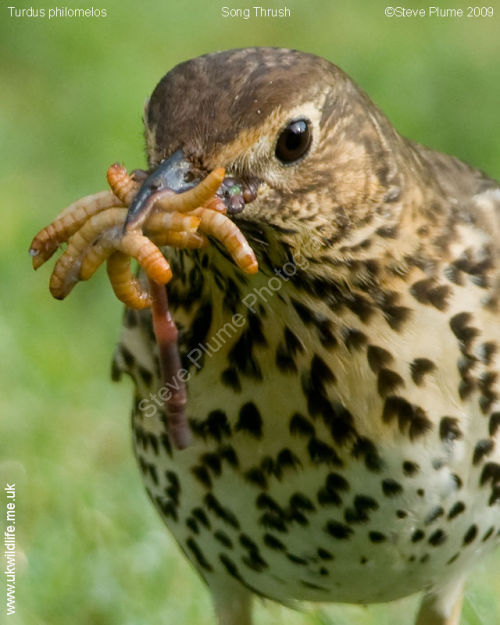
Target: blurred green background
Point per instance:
(91, 549)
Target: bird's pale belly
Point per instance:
(301, 484)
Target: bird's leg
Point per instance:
(232, 603)
(442, 607)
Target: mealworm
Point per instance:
(183, 240)
(67, 268)
(227, 232)
(172, 221)
(193, 198)
(122, 185)
(147, 255)
(67, 223)
(126, 286)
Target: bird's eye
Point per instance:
(294, 141)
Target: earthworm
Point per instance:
(67, 223)
(126, 286)
(170, 366)
(227, 232)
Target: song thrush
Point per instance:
(343, 401)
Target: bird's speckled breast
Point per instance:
(344, 444)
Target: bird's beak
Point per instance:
(173, 173)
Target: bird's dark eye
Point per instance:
(294, 141)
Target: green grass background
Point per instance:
(90, 548)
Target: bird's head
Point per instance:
(316, 154)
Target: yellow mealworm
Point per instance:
(67, 223)
(125, 285)
(122, 185)
(67, 269)
(183, 240)
(228, 233)
(193, 198)
(94, 255)
(147, 255)
(171, 221)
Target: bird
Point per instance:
(343, 401)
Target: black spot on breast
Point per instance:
(223, 538)
(353, 338)
(324, 554)
(273, 543)
(285, 361)
(230, 378)
(487, 351)
(410, 418)
(256, 477)
(460, 327)
(127, 355)
(227, 453)
(286, 459)
(300, 426)
(363, 505)
(242, 358)
(490, 472)
(167, 507)
(145, 375)
(391, 488)
(449, 430)
(360, 306)
(338, 530)
(301, 502)
(250, 420)
(365, 448)
(410, 468)
(226, 515)
(428, 292)
(265, 501)
(470, 534)
(296, 559)
(200, 515)
(396, 316)
(494, 423)
(483, 448)
(230, 566)
(202, 475)
(417, 536)
(388, 381)
(377, 537)
(321, 453)
(387, 232)
(433, 515)
(419, 368)
(272, 521)
(437, 538)
(321, 372)
(401, 514)
(192, 525)
(200, 327)
(213, 462)
(378, 358)
(456, 509)
(488, 534)
(198, 554)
